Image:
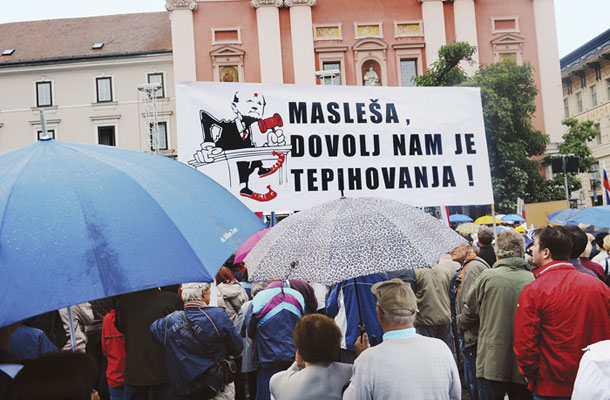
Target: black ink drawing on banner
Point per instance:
(248, 139)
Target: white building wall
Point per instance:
(75, 113)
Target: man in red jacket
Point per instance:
(559, 314)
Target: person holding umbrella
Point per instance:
(352, 306)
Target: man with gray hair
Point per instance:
(492, 302)
(405, 365)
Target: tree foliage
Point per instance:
(575, 143)
(446, 71)
(508, 92)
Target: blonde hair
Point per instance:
(607, 243)
(587, 251)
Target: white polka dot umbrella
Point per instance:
(347, 238)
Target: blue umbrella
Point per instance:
(562, 217)
(82, 222)
(598, 216)
(459, 218)
(512, 218)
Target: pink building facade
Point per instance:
(339, 41)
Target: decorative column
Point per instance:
(301, 32)
(183, 38)
(466, 30)
(434, 28)
(269, 44)
(548, 65)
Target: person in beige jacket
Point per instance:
(432, 293)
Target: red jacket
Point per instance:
(113, 346)
(559, 314)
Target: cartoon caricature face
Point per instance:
(250, 104)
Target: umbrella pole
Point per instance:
(360, 325)
(71, 324)
(493, 215)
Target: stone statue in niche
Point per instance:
(371, 78)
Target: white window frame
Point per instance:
(594, 99)
(408, 52)
(332, 55)
(579, 104)
(106, 120)
(566, 107)
(227, 29)
(341, 72)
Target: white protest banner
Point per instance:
(290, 147)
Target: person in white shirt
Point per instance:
(406, 365)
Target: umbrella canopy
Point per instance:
(81, 222)
(598, 216)
(459, 218)
(521, 229)
(347, 238)
(513, 218)
(247, 246)
(562, 217)
(487, 220)
(467, 228)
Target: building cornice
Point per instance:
(173, 5)
(290, 3)
(267, 3)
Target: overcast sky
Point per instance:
(578, 21)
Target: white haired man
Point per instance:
(198, 342)
(492, 301)
(405, 365)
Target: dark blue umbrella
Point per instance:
(562, 217)
(597, 216)
(513, 218)
(459, 218)
(82, 222)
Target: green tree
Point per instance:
(575, 143)
(508, 92)
(446, 71)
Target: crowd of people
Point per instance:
(488, 320)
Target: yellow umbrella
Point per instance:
(467, 228)
(487, 220)
(521, 229)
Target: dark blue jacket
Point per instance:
(347, 316)
(270, 319)
(187, 360)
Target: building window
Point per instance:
(44, 96)
(103, 89)
(157, 77)
(50, 131)
(333, 79)
(579, 101)
(508, 56)
(608, 88)
(106, 135)
(408, 72)
(593, 96)
(566, 108)
(162, 126)
(599, 133)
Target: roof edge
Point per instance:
(81, 58)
